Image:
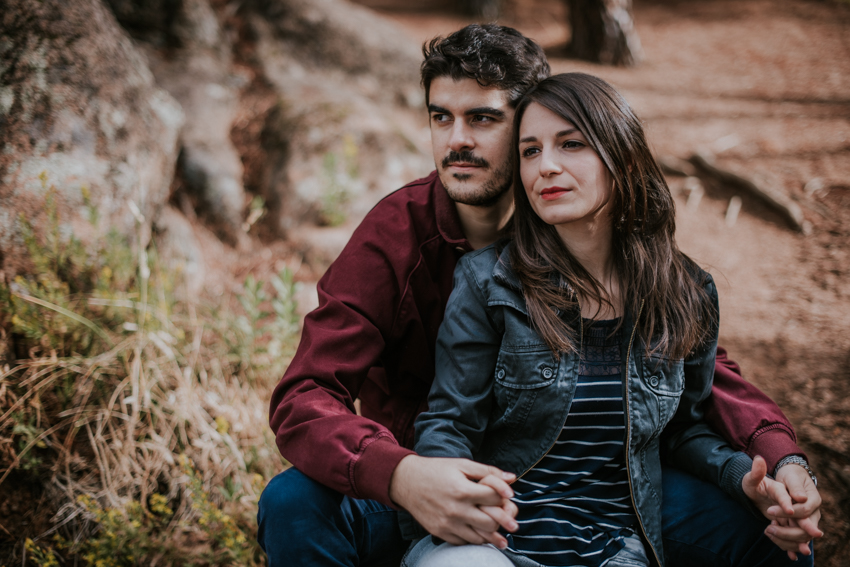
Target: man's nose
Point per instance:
(461, 137)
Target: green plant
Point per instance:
(258, 339)
(41, 557)
(338, 175)
(125, 536)
(135, 534)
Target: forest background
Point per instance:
(177, 174)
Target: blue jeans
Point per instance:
(305, 523)
(703, 527)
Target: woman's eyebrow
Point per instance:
(560, 134)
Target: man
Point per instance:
(373, 336)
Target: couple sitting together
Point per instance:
(536, 360)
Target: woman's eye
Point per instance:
(573, 144)
(528, 152)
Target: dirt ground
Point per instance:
(764, 85)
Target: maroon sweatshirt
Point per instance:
(373, 335)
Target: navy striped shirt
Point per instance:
(574, 505)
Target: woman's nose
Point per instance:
(549, 164)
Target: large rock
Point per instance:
(336, 34)
(348, 127)
(79, 108)
(191, 58)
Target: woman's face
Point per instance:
(565, 180)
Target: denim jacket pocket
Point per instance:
(520, 374)
(526, 368)
(663, 376)
(666, 379)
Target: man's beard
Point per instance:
(490, 191)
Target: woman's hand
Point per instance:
(791, 503)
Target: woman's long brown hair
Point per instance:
(677, 314)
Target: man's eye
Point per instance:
(440, 117)
(482, 118)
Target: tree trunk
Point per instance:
(486, 10)
(603, 31)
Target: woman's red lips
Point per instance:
(552, 193)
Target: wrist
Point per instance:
(397, 488)
(800, 462)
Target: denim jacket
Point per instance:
(500, 397)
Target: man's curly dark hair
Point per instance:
(493, 55)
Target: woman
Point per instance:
(578, 351)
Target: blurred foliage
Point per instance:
(142, 412)
(339, 171)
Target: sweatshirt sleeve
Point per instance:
(312, 408)
(747, 418)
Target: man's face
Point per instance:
(471, 138)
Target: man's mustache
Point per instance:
(465, 156)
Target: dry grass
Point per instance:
(125, 393)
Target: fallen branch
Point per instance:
(777, 200)
(675, 166)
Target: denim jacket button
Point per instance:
(500, 374)
(653, 381)
(547, 373)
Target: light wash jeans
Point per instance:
(427, 553)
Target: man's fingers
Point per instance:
(462, 535)
(486, 526)
(801, 510)
(503, 517)
(776, 492)
(494, 538)
(478, 471)
(792, 535)
(483, 495)
(482, 521)
(498, 485)
(784, 545)
(797, 490)
(810, 525)
(510, 508)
